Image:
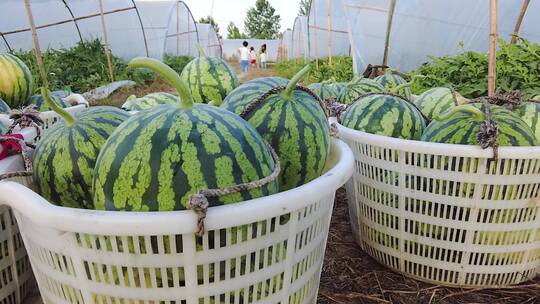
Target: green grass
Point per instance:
(341, 69)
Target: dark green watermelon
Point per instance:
(436, 101)
(324, 90)
(65, 157)
(355, 89)
(56, 96)
(385, 115)
(297, 128)
(250, 90)
(462, 124)
(391, 81)
(210, 79)
(529, 112)
(157, 159)
(4, 108)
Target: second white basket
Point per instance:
(446, 214)
(266, 250)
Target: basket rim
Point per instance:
(422, 147)
(38, 210)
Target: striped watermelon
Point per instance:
(65, 157)
(149, 101)
(16, 81)
(324, 90)
(4, 108)
(436, 101)
(385, 115)
(247, 92)
(157, 159)
(56, 96)
(210, 79)
(461, 125)
(338, 87)
(355, 89)
(391, 81)
(296, 126)
(529, 112)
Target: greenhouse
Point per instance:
(269, 151)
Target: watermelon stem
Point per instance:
(401, 86)
(163, 70)
(294, 81)
(201, 51)
(476, 113)
(70, 120)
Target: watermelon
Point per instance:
(354, 89)
(148, 101)
(461, 125)
(4, 108)
(436, 101)
(338, 87)
(56, 96)
(64, 158)
(297, 128)
(157, 159)
(324, 90)
(395, 84)
(247, 92)
(536, 98)
(16, 81)
(385, 115)
(3, 128)
(529, 112)
(210, 79)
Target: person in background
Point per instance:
(252, 57)
(243, 54)
(263, 56)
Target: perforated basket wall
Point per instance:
(446, 214)
(50, 117)
(267, 250)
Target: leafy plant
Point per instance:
(341, 69)
(177, 63)
(518, 68)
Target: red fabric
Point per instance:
(10, 146)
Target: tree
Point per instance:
(210, 20)
(233, 32)
(305, 5)
(261, 21)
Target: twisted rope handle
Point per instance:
(26, 117)
(24, 154)
(198, 202)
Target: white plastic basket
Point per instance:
(446, 214)
(266, 250)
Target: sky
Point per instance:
(225, 11)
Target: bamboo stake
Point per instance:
(106, 40)
(388, 31)
(492, 68)
(37, 48)
(519, 21)
(329, 15)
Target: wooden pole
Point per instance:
(314, 8)
(520, 20)
(388, 31)
(492, 68)
(37, 48)
(106, 40)
(329, 15)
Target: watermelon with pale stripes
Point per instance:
(210, 79)
(353, 90)
(65, 157)
(56, 96)
(529, 112)
(385, 115)
(462, 124)
(249, 91)
(436, 101)
(156, 160)
(390, 81)
(16, 81)
(4, 108)
(324, 90)
(149, 101)
(296, 126)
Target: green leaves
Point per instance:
(518, 67)
(261, 21)
(341, 69)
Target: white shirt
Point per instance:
(263, 57)
(244, 53)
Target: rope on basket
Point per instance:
(487, 135)
(26, 117)
(198, 202)
(19, 140)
